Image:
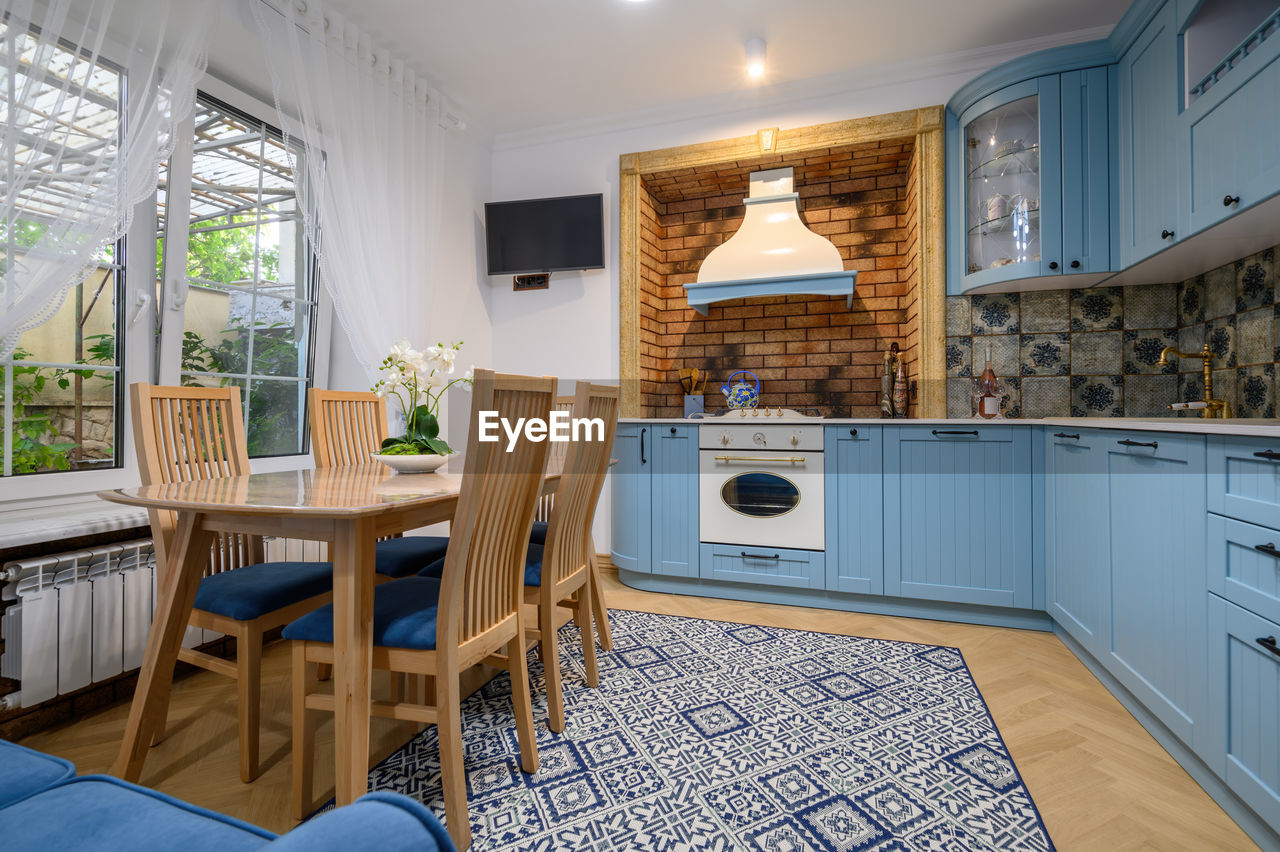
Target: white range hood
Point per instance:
(772, 252)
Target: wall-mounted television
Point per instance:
(544, 234)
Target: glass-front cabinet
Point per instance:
(1028, 185)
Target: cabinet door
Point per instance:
(1230, 144)
(855, 509)
(675, 501)
(1244, 690)
(1147, 112)
(1156, 642)
(629, 541)
(1086, 171)
(1244, 479)
(1077, 520)
(958, 514)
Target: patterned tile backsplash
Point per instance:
(1093, 353)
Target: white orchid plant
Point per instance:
(419, 381)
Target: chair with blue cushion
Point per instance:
(348, 427)
(470, 614)
(191, 433)
(44, 807)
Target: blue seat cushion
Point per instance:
(404, 616)
(377, 822)
(102, 813)
(24, 772)
(532, 567)
(538, 535)
(254, 590)
(401, 557)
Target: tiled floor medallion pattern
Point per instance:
(713, 736)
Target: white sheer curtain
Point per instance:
(369, 187)
(70, 174)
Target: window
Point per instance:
(61, 387)
(239, 303)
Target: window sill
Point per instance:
(75, 517)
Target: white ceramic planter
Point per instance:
(412, 464)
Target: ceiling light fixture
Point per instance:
(755, 57)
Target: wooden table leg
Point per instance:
(353, 559)
(597, 600)
(191, 544)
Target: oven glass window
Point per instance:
(760, 495)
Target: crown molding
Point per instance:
(798, 92)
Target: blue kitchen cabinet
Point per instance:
(766, 566)
(959, 514)
(1228, 141)
(1077, 534)
(630, 544)
(1244, 692)
(1086, 173)
(1244, 479)
(1147, 170)
(675, 500)
(855, 509)
(1156, 635)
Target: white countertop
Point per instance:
(1249, 427)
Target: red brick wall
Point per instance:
(808, 351)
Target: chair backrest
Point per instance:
(557, 451)
(586, 464)
(346, 426)
(483, 580)
(189, 433)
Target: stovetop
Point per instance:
(760, 415)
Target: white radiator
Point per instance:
(83, 616)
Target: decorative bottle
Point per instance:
(988, 394)
(900, 390)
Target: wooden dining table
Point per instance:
(350, 508)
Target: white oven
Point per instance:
(761, 485)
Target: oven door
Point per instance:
(763, 499)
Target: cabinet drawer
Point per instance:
(1244, 565)
(769, 566)
(1164, 446)
(1244, 685)
(1244, 479)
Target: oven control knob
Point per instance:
(759, 438)
(724, 439)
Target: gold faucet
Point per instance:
(1213, 407)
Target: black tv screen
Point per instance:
(545, 234)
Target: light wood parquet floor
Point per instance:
(1101, 782)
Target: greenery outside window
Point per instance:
(60, 389)
(243, 301)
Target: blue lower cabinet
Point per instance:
(1244, 692)
(675, 500)
(1244, 479)
(959, 515)
(630, 547)
(1244, 565)
(855, 509)
(1156, 636)
(769, 566)
(1077, 547)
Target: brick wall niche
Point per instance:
(809, 351)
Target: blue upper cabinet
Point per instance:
(1029, 179)
(959, 514)
(855, 509)
(1077, 518)
(675, 500)
(1148, 177)
(630, 548)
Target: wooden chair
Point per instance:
(559, 573)
(191, 433)
(347, 427)
(440, 627)
(539, 536)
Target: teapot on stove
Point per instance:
(739, 394)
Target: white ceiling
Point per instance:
(518, 64)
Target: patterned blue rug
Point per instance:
(706, 735)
